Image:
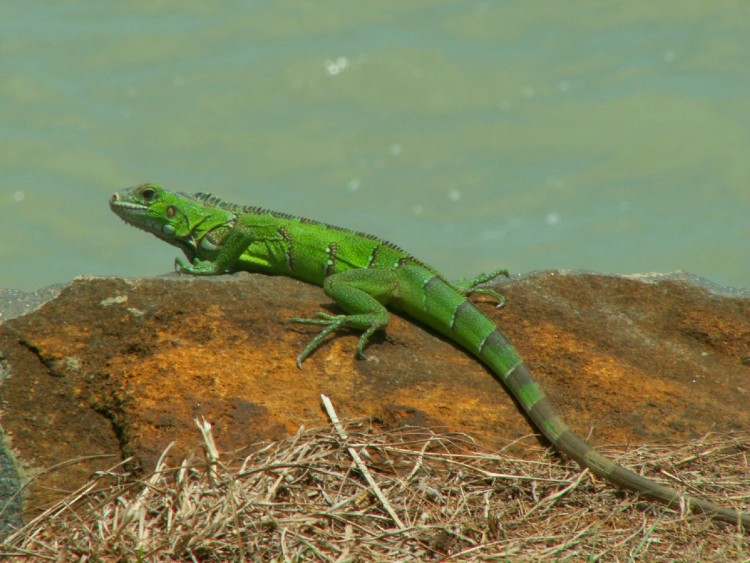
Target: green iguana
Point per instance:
(363, 275)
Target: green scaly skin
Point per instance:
(363, 275)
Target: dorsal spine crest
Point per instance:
(213, 201)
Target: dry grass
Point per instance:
(410, 496)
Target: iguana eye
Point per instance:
(148, 193)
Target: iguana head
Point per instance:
(179, 219)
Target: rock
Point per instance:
(115, 368)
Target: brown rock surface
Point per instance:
(122, 367)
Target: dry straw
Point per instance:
(356, 494)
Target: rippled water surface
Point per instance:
(612, 137)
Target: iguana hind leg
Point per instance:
(362, 293)
(467, 287)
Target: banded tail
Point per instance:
(478, 334)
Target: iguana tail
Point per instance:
(469, 327)
(522, 385)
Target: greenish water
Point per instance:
(612, 137)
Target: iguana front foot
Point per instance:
(197, 268)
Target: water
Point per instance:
(612, 137)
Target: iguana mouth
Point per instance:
(134, 214)
(127, 205)
(128, 211)
(116, 203)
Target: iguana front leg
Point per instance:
(224, 251)
(362, 294)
